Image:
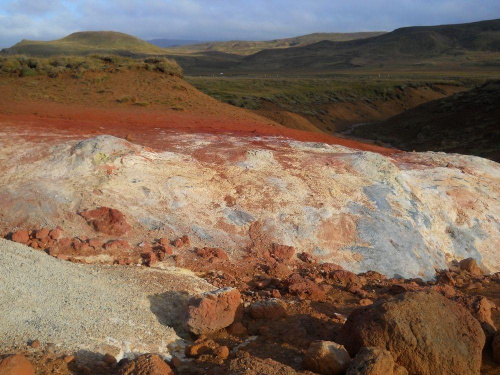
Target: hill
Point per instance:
(242, 47)
(172, 42)
(423, 47)
(466, 123)
(87, 42)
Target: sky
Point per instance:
(228, 19)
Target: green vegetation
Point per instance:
(242, 47)
(86, 43)
(467, 122)
(305, 95)
(77, 65)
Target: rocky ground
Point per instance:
(172, 233)
(225, 254)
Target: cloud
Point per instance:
(228, 19)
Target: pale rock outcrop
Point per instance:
(406, 214)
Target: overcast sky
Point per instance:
(228, 19)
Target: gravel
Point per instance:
(91, 309)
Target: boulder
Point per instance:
(146, 364)
(424, 331)
(107, 220)
(16, 364)
(372, 361)
(480, 307)
(343, 277)
(470, 265)
(212, 311)
(21, 236)
(268, 309)
(327, 358)
(305, 288)
(212, 254)
(282, 253)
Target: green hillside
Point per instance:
(240, 47)
(447, 46)
(87, 42)
(466, 123)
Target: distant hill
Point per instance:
(242, 47)
(467, 123)
(471, 44)
(87, 42)
(409, 44)
(172, 42)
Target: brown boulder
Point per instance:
(372, 361)
(424, 331)
(282, 253)
(343, 277)
(212, 254)
(246, 365)
(21, 236)
(212, 311)
(106, 220)
(470, 265)
(268, 309)
(480, 307)
(182, 241)
(305, 288)
(327, 358)
(16, 364)
(42, 233)
(146, 364)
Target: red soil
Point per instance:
(44, 108)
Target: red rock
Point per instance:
(182, 241)
(446, 278)
(64, 242)
(424, 331)
(372, 361)
(21, 236)
(222, 352)
(268, 309)
(305, 288)
(116, 245)
(16, 364)
(42, 233)
(146, 364)
(327, 268)
(109, 359)
(480, 307)
(149, 258)
(282, 253)
(343, 277)
(35, 344)
(164, 241)
(212, 311)
(470, 265)
(212, 254)
(55, 233)
(107, 220)
(237, 329)
(327, 358)
(95, 243)
(306, 257)
(365, 302)
(168, 249)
